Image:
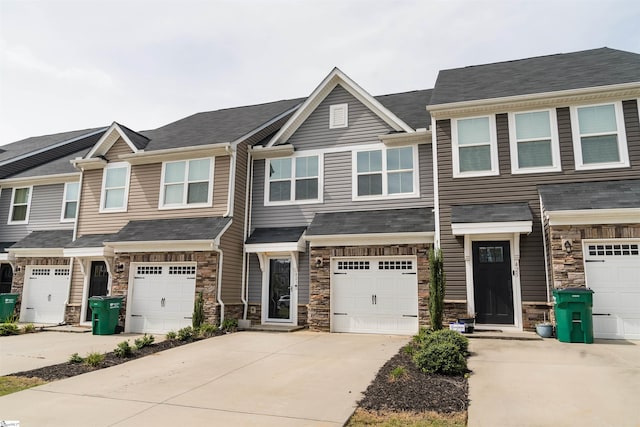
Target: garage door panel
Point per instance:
(45, 295)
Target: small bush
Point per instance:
(9, 329)
(441, 358)
(75, 358)
(123, 349)
(409, 349)
(397, 373)
(94, 359)
(207, 330)
(447, 335)
(28, 328)
(144, 341)
(422, 335)
(229, 325)
(185, 334)
(171, 335)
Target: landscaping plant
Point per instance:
(437, 283)
(441, 358)
(28, 328)
(75, 359)
(448, 336)
(94, 359)
(171, 335)
(229, 325)
(185, 334)
(198, 312)
(144, 341)
(9, 329)
(207, 330)
(123, 349)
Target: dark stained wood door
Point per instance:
(492, 289)
(97, 283)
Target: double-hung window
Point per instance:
(475, 151)
(115, 187)
(293, 179)
(385, 172)
(187, 183)
(599, 138)
(20, 205)
(533, 138)
(70, 201)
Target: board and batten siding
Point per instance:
(144, 193)
(508, 188)
(45, 212)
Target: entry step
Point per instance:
(273, 328)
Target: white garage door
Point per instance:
(613, 272)
(162, 297)
(46, 289)
(375, 295)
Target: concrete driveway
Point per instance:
(549, 383)
(247, 378)
(31, 351)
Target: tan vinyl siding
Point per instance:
(77, 283)
(144, 193)
(507, 188)
(232, 242)
(120, 147)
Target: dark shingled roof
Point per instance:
(5, 245)
(170, 229)
(35, 143)
(137, 139)
(589, 68)
(410, 107)
(45, 239)
(498, 212)
(89, 241)
(54, 167)
(414, 220)
(591, 195)
(276, 235)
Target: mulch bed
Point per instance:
(67, 369)
(416, 391)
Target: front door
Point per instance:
(493, 293)
(97, 283)
(279, 303)
(6, 277)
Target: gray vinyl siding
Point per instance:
(255, 278)
(515, 188)
(46, 208)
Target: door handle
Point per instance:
(49, 297)
(162, 301)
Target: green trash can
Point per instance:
(572, 308)
(7, 306)
(105, 312)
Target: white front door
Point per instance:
(613, 273)
(46, 289)
(162, 297)
(374, 295)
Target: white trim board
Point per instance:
(594, 216)
(370, 239)
(473, 228)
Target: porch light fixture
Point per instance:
(120, 268)
(568, 245)
(318, 262)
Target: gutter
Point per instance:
(244, 295)
(436, 192)
(219, 284)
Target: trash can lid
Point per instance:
(574, 291)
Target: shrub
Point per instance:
(28, 328)
(409, 349)
(229, 325)
(198, 312)
(207, 330)
(9, 329)
(185, 334)
(437, 283)
(421, 336)
(144, 341)
(123, 349)
(94, 359)
(75, 358)
(171, 335)
(448, 336)
(441, 358)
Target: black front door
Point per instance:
(6, 277)
(492, 289)
(97, 282)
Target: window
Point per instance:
(387, 172)
(475, 151)
(338, 116)
(534, 142)
(187, 183)
(115, 188)
(20, 205)
(599, 139)
(70, 201)
(294, 179)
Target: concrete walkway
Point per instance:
(248, 378)
(549, 383)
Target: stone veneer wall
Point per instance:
(206, 276)
(568, 268)
(17, 286)
(319, 315)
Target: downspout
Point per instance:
(546, 255)
(216, 248)
(75, 223)
(436, 193)
(244, 297)
(228, 213)
(231, 193)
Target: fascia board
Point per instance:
(400, 139)
(258, 152)
(99, 251)
(370, 239)
(41, 180)
(266, 125)
(534, 101)
(89, 164)
(108, 141)
(36, 252)
(461, 229)
(254, 248)
(594, 216)
(162, 246)
(179, 153)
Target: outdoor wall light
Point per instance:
(120, 268)
(568, 245)
(318, 262)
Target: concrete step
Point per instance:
(495, 334)
(273, 328)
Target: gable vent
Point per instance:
(338, 116)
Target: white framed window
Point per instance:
(385, 173)
(474, 147)
(599, 137)
(187, 184)
(115, 187)
(70, 201)
(20, 205)
(296, 179)
(533, 142)
(338, 116)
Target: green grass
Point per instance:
(11, 384)
(363, 418)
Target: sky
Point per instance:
(78, 64)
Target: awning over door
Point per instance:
(278, 239)
(491, 218)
